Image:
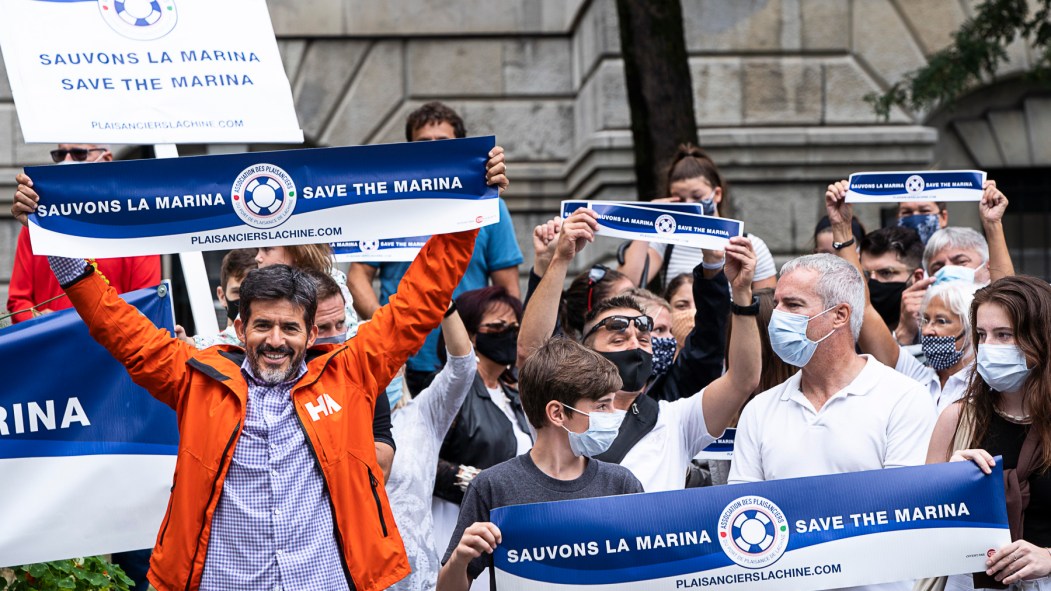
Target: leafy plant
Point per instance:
(79, 574)
(978, 49)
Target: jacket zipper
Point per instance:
(331, 504)
(215, 483)
(376, 497)
(168, 515)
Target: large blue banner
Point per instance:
(85, 454)
(262, 198)
(803, 534)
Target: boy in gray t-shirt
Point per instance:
(567, 393)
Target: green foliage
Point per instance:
(978, 49)
(80, 574)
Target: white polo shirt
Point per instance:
(880, 420)
(954, 389)
(660, 459)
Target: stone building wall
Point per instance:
(778, 93)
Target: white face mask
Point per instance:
(602, 430)
(1003, 367)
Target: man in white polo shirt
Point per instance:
(843, 412)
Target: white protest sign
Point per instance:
(146, 72)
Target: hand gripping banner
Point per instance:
(668, 223)
(802, 534)
(229, 201)
(86, 456)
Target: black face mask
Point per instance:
(500, 347)
(233, 308)
(886, 298)
(634, 365)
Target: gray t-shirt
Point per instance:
(518, 482)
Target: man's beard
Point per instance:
(274, 376)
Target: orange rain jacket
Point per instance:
(208, 393)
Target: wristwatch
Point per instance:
(750, 310)
(842, 245)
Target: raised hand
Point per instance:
(993, 204)
(543, 236)
(496, 170)
(25, 199)
(839, 211)
(740, 265)
(577, 231)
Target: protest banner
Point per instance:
(669, 223)
(86, 455)
(931, 185)
(804, 534)
(263, 199)
(720, 449)
(149, 72)
(378, 251)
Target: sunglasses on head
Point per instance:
(643, 324)
(595, 275)
(78, 154)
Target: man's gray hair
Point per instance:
(955, 237)
(838, 283)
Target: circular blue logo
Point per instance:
(753, 532)
(263, 196)
(142, 20)
(665, 224)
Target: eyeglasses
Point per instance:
(497, 327)
(596, 274)
(643, 324)
(78, 154)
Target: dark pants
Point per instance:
(135, 564)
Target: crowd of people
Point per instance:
(335, 438)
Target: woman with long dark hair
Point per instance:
(1007, 412)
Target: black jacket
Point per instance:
(481, 436)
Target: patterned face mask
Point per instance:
(663, 354)
(941, 352)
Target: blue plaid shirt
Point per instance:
(273, 529)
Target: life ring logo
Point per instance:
(142, 20)
(665, 224)
(915, 184)
(369, 245)
(753, 532)
(263, 196)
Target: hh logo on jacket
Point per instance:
(325, 406)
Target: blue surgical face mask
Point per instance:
(788, 337)
(663, 354)
(1003, 367)
(708, 205)
(394, 390)
(955, 273)
(338, 339)
(925, 224)
(602, 430)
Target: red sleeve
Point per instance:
(143, 272)
(20, 291)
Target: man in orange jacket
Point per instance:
(275, 484)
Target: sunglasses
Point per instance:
(595, 275)
(498, 327)
(78, 154)
(643, 324)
